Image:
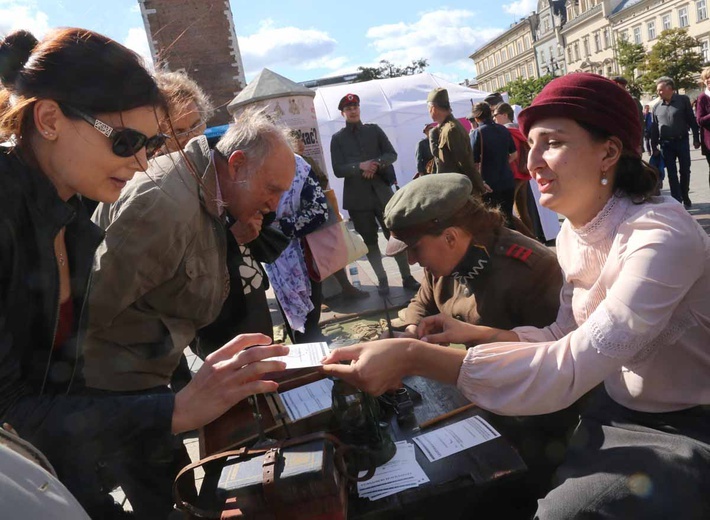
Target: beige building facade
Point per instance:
(508, 57)
(642, 21)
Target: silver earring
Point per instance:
(605, 181)
(46, 133)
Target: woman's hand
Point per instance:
(228, 375)
(443, 329)
(375, 367)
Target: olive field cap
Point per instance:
(423, 206)
(439, 97)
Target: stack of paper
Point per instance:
(308, 399)
(455, 438)
(400, 473)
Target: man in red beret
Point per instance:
(362, 155)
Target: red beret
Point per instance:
(590, 99)
(348, 99)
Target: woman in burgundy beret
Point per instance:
(633, 324)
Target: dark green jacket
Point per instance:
(348, 148)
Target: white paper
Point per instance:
(308, 399)
(400, 473)
(455, 438)
(304, 355)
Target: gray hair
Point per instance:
(666, 81)
(255, 134)
(180, 90)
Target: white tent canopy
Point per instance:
(398, 106)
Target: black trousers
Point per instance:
(79, 434)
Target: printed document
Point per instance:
(455, 438)
(304, 355)
(308, 399)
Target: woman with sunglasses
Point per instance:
(78, 116)
(634, 322)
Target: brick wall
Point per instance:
(197, 36)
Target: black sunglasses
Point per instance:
(125, 142)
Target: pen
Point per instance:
(387, 317)
(445, 416)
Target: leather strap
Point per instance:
(341, 450)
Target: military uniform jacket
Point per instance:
(348, 148)
(453, 152)
(520, 286)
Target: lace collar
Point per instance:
(606, 221)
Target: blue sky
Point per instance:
(307, 39)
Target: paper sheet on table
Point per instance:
(308, 399)
(304, 355)
(455, 438)
(400, 473)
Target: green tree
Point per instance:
(676, 55)
(390, 70)
(523, 91)
(632, 59)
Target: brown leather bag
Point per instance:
(326, 499)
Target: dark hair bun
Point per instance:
(15, 50)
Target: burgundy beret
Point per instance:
(348, 99)
(590, 99)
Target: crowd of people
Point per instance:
(125, 238)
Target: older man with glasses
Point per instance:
(163, 273)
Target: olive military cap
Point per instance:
(423, 206)
(439, 97)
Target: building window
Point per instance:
(637, 35)
(607, 37)
(531, 74)
(652, 30)
(507, 78)
(683, 17)
(504, 54)
(543, 59)
(576, 51)
(585, 42)
(702, 9)
(666, 22)
(511, 50)
(624, 35)
(597, 42)
(520, 47)
(497, 59)
(705, 50)
(527, 42)
(569, 54)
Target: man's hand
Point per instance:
(369, 168)
(228, 375)
(245, 232)
(487, 188)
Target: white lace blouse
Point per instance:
(634, 313)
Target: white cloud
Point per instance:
(137, 41)
(305, 49)
(521, 7)
(444, 37)
(14, 16)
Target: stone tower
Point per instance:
(197, 36)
